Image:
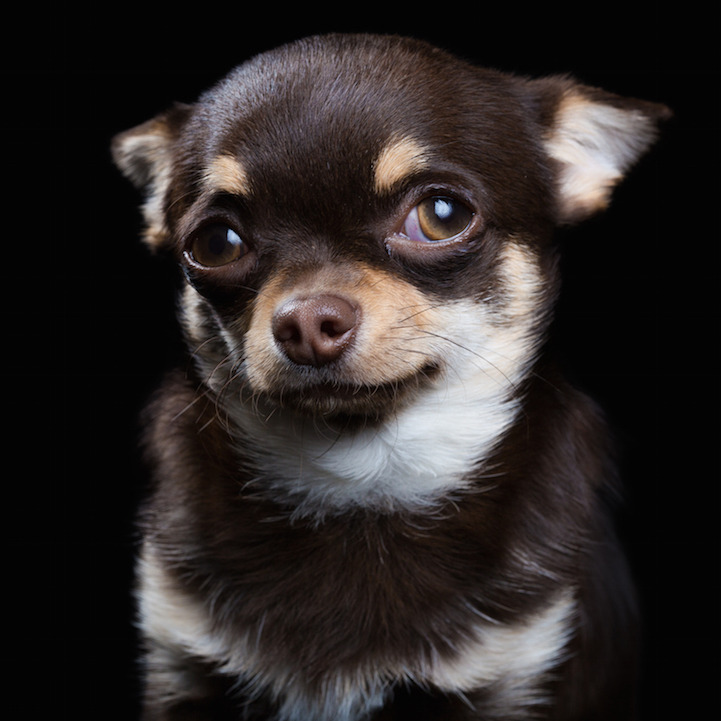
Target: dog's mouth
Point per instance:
(358, 348)
(322, 396)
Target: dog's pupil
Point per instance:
(218, 243)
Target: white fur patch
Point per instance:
(511, 658)
(167, 615)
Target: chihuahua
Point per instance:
(374, 494)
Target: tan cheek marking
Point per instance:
(524, 283)
(401, 157)
(398, 336)
(226, 174)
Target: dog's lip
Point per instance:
(339, 390)
(347, 396)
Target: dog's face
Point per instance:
(365, 225)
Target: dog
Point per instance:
(374, 494)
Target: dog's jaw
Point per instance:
(317, 469)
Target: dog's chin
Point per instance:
(344, 404)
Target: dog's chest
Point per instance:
(327, 622)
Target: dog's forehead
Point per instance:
(366, 113)
(399, 158)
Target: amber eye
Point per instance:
(437, 218)
(216, 245)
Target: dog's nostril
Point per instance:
(315, 331)
(338, 326)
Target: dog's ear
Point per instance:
(593, 138)
(145, 155)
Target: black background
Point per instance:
(88, 315)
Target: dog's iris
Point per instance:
(216, 245)
(437, 218)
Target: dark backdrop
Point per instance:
(89, 326)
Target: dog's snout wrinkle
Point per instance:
(315, 331)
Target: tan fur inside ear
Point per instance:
(595, 143)
(145, 156)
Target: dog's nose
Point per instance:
(315, 331)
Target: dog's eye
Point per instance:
(216, 245)
(437, 218)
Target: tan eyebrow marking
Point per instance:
(401, 157)
(226, 174)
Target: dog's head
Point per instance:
(365, 222)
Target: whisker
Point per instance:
(478, 355)
(424, 308)
(196, 351)
(188, 406)
(206, 424)
(188, 194)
